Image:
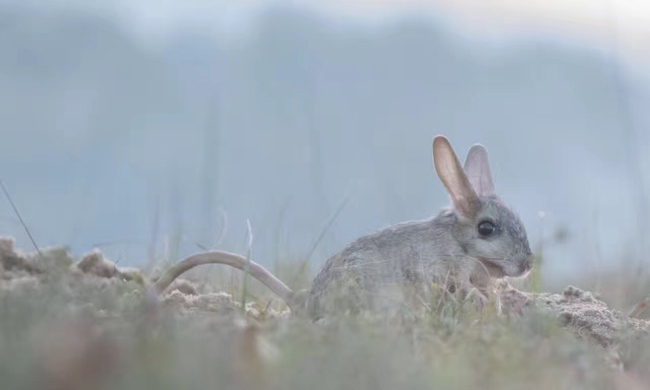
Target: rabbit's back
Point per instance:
(411, 254)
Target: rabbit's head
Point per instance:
(484, 227)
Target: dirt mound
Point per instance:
(578, 310)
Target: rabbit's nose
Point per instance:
(527, 264)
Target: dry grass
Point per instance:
(75, 330)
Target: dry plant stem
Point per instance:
(226, 258)
(31, 238)
(247, 266)
(639, 308)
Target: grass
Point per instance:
(71, 332)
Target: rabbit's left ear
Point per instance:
(477, 169)
(454, 179)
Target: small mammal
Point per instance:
(464, 246)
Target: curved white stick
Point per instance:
(220, 257)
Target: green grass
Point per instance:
(108, 334)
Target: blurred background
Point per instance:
(149, 127)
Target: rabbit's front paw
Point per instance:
(476, 299)
(482, 302)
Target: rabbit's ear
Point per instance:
(477, 169)
(454, 179)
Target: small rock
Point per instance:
(184, 286)
(53, 259)
(214, 302)
(11, 260)
(95, 263)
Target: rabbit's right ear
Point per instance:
(454, 179)
(477, 169)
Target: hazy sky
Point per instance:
(600, 22)
(623, 24)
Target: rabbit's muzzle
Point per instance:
(512, 268)
(526, 266)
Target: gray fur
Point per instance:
(380, 268)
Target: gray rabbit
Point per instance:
(462, 248)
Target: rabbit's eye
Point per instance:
(486, 228)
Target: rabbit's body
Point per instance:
(418, 253)
(461, 248)
(412, 254)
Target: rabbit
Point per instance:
(466, 245)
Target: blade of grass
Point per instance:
(281, 216)
(303, 267)
(151, 247)
(4, 189)
(328, 225)
(639, 308)
(224, 228)
(535, 278)
(248, 264)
